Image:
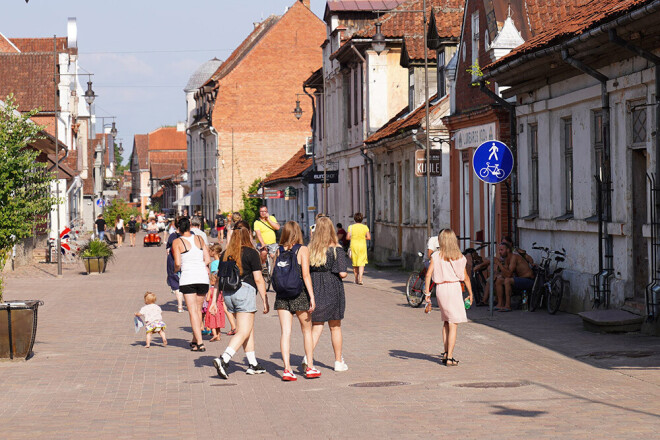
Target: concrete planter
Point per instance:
(95, 264)
(18, 328)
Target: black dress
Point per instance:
(329, 288)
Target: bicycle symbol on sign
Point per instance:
(492, 169)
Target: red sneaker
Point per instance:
(289, 376)
(312, 373)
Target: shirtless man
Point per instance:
(516, 273)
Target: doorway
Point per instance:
(399, 198)
(639, 218)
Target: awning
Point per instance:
(190, 199)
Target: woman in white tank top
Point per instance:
(191, 257)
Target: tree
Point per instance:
(250, 211)
(25, 197)
(119, 168)
(119, 207)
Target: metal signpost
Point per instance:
(492, 163)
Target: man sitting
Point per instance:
(515, 273)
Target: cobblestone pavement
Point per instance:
(521, 375)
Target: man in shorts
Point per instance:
(100, 225)
(516, 274)
(265, 227)
(220, 221)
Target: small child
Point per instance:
(217, 322)
(152, 315)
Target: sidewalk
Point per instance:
(522, 375)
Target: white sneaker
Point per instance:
(341, 366)
(304, 363)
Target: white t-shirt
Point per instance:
(151, 313)
(201, 233)
(432, 245)
(120, 224)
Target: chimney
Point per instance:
(180, 126)
(306, 3)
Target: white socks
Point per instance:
(251, 357)
(229, 352)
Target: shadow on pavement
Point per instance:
(403, 354)
(506, 411)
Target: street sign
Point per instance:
(492, 162)
(100, 203)
(420, 163)
(317, 177)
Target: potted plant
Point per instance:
(25, 202)
(95, 255)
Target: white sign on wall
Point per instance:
(472, 137)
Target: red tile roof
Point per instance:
(292, 169)
(162, 170)
(402, 122)
(158, 193)
(6, 46)
(579, 17)
(30, 78)
(141, 148)
(40, 44)
(362, 5)
(167, 138)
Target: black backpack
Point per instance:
(287, 274)
(229, 276)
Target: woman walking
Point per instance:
(172, 275)
(328, 264)
(119, 230)
(358, 234)
(301, 305)
(191, 257)
(235, 218)
(448, 269)
(242, 302)
(132, 229)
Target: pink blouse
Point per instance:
(447, 271)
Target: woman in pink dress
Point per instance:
(448, 270)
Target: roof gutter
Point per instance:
(600, 30)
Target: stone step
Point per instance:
(388, 265)
(611, 321)
(39, 255)
(394, 259)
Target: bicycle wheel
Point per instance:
(266, 273)
(477, 289)
(535, 294)
(414, 290)
(555, 294)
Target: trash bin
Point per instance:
(18, 328)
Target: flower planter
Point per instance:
(95, 264)
(18, 328)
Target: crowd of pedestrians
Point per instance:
(220, 283)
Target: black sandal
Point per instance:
(443, 358)
(453, 361)
(199, 347)
(192, 345)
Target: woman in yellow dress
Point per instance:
(358, 234)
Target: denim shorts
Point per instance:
(523, 283)
(244, 300)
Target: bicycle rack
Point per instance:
(653, 288)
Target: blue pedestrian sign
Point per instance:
(100, 203)
(492, 162)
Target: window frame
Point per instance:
(533, 130)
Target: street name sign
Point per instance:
(435, 163)
(492, 162)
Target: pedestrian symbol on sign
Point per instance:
(493, 152)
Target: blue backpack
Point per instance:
(287, 274)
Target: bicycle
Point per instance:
(477, 278)
(491, 169)
(267, 270)
(548, 282)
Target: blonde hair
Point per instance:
(291, 234)
(215, 250)
(236, 217)
(324, 237)
(448, 242)
(149, 298)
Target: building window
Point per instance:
(639, 125)
(475, 41)
(567, 147)
(534, 169)
(411, 89)
(598, 143)
(357, 73)
(441, 74)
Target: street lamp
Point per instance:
(378, 45)
(298, 111)
(89, 95)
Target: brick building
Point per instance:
(249, 101)
(490, 30)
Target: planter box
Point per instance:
(95, 264)
(18, 328)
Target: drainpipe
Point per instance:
(190, 170)
(605, 104)
(614, 38)
(514, 147)
(216, 171)
(371, 213)
(426, 186)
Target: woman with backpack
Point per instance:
(239, 280)
(295, 296)
(328, 263)
(191, 257)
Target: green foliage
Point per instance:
(97, 248)
(119, 168)
(250, 211)
(25, 197)
(475, 70)
(121, 207)
(155, 207)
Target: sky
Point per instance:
(142, 52)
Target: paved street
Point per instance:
(522, 375)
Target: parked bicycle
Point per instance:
(415, 283)
(267, 270)
(548, 282)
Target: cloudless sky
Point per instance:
(142, 52)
